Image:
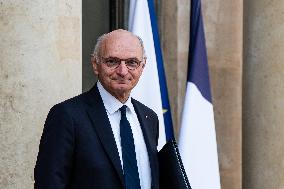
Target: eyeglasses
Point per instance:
(114, 62)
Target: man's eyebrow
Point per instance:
(114, 57)
(111, 57)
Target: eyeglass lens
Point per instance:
(131, 63)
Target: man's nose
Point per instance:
(122, 69)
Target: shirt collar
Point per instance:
(111, 103)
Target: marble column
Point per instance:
(263, 109)
(40, 44)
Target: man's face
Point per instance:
(121, 80)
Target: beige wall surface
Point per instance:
(263, 107)
(223, 21)
(40, 50)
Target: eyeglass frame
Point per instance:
(119, 60)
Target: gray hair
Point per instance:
(98, 47)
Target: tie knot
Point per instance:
(123, 110)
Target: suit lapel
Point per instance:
(147, 129)
(98, 115)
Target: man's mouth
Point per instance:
(121, 81)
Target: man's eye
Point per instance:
(111, 62)
(132, 62)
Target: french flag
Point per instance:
(151, 89)
(197, 140)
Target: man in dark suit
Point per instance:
(103, 139)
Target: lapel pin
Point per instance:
(146, 116)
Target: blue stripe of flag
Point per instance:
(161, 73)
(198, 66)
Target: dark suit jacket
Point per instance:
(78, 150)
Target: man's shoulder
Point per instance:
(73, 101)
(74, 104)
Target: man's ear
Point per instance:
(94, 65)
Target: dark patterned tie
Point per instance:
(130, 169)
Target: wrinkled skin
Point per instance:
(119, 81)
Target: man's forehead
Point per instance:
(121, 36)
(121, 40)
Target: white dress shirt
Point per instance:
(112, 106)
